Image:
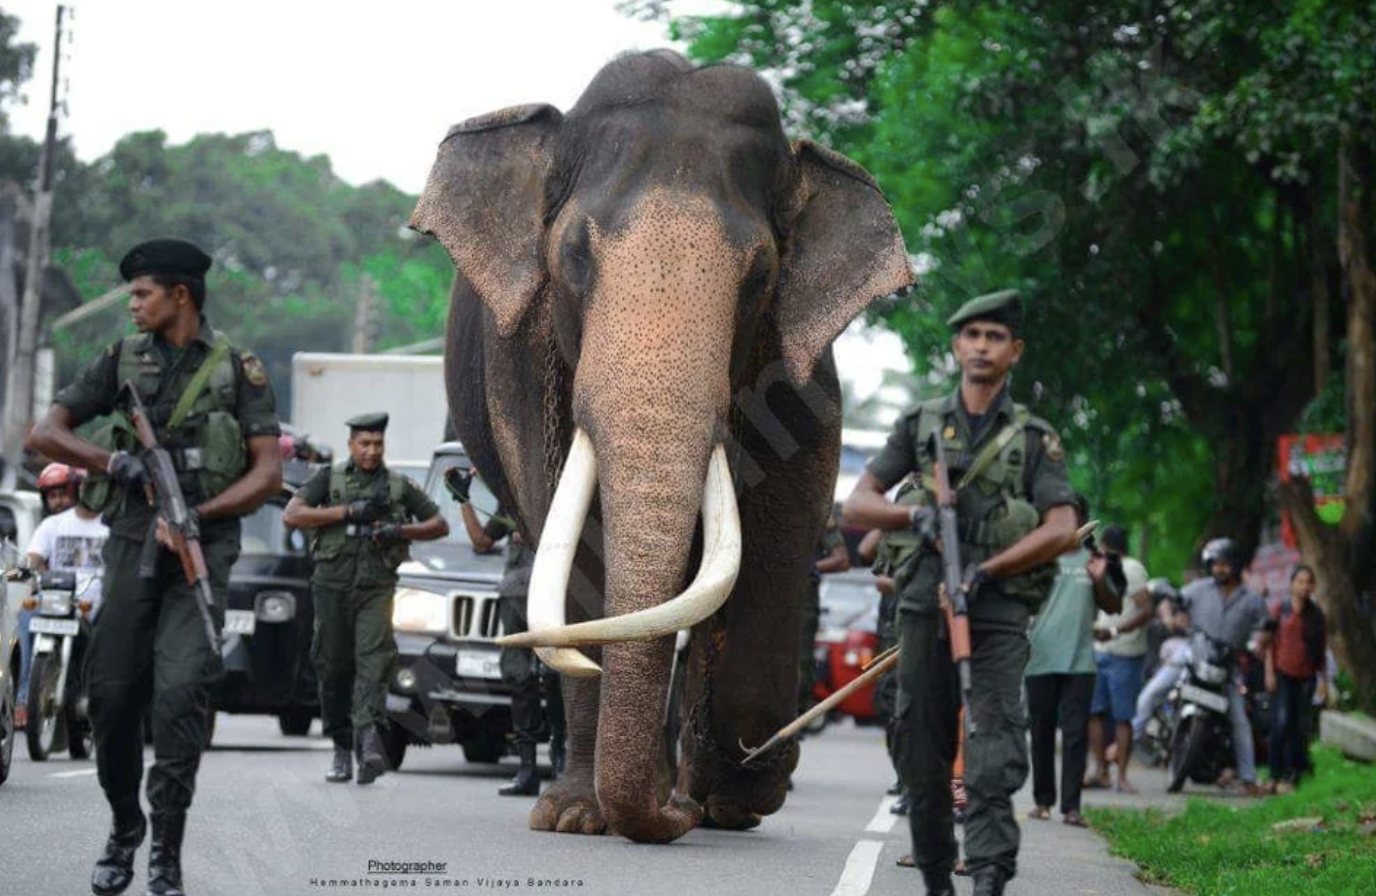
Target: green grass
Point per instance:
(1217, 849)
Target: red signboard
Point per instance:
(1322, 459)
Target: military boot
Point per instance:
(938, 883)
(372, 759)
(165, 855)
(526, 782)
(989, 880)
(342, 768)
(115, 868)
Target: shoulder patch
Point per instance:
(253, 369)
(1052, 443)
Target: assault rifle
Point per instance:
(954, 603)
(165, 493)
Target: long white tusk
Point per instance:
(721, 562)
(549, 578)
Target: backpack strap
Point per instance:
(337, 483)
(193, 390)
(994, 447)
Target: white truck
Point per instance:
(327, 389)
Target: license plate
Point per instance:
(473, 664)
(1206, 699)
(41, 626)
(240, 622)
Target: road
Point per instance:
(265, 822)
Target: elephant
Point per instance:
(639, 341)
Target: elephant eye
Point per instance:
(575, 263)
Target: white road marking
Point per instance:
(86, 772)
(859, 871)
(883, 820)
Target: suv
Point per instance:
(20, 513)
(269, 618)
(447, 685)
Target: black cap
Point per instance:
(165, 256)
(1003, 307)
(368, 422)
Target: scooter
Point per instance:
(57, 692)
(1201, 745)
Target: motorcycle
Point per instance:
(57, 692)
(1201, 744)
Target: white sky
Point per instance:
(373, 85)
(375, 89)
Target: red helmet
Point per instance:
(56, 476)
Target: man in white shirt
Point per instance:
(72, 540)
(1120, 652)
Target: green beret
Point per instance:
(165, 256)
(1002, 307)
(368, 422)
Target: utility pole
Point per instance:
(365, 317)
(19, 403)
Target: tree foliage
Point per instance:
(1157, 178)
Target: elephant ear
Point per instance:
(844, 251)
(484, 203)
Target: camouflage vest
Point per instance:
(200, 430)
(992, 505)
(328, 542)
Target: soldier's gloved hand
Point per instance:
(973, 578)
(127, 471)
(922, 521)
(458, 481)
(388, 533)
(360, 511)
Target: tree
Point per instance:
(1174, 269)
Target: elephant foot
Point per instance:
(569, 807)
(738, 797)
(664, 824)
(730, 816)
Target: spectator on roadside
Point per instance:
(1060, 677)
(1120, 655)
(1172, 657)
(1225, 609)
(1296, 674)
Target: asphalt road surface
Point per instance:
(265, 822)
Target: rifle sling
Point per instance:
(198, 382)
(988, 453)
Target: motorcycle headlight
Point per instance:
(55, 603)
(1209, 673)
(274, 606)
(420, 612)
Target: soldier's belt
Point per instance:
(359, 530)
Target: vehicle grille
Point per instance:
(475, 616)
(463, 614)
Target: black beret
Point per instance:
(165, 256)
(368, 422)
(1003, 307)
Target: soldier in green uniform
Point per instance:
(521, 669)
(210, 405)
(1016, 515)
(362, 516)
(829, 557)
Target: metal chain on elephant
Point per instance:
(553, 440)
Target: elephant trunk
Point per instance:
(650, 503)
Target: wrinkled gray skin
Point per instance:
(661, 268)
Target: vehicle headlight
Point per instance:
(1209, 673)
(274, 606)
(55, 603)
(421, 612)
